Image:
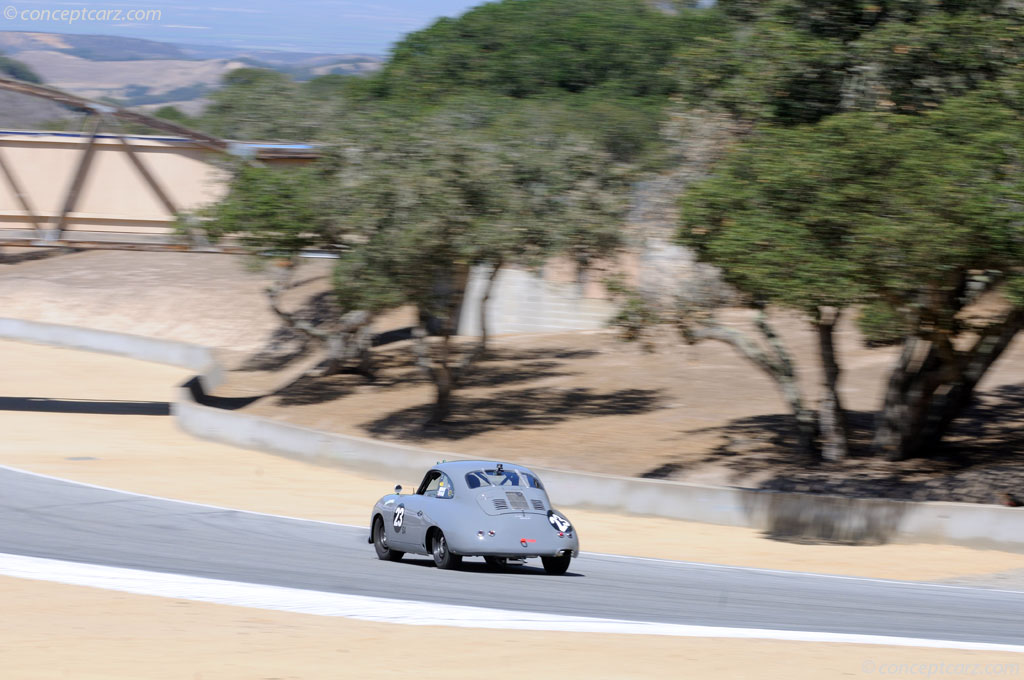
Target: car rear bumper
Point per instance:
(515, 535)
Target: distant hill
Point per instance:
(147, 73)
(94, 47)
(21, 112)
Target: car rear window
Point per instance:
(479, 478)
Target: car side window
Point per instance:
(428, 487)
(444, 487)
(436, 485)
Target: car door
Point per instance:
(436, 500)
(413, 528)
(396, 525)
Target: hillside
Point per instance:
(145, 73)
(18, 111)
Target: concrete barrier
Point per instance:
(199, 359)
(781, 515)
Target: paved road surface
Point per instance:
(44, 517)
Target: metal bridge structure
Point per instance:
(104, 188)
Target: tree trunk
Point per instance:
(443, 399)
(445, 384)
(785, 376)
(929, 389)
(445, 376)
(831, 416)
(777, 365)
(350, 339)
(951, 404)
(906, 399)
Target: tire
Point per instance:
(443, 557)
(380, 543)
(556, 566)
(497, 563)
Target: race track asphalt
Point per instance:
(45, 517)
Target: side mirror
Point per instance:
(398, 488)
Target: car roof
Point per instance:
(461, 467)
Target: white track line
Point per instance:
(382, 610)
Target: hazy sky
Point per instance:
(335, 26)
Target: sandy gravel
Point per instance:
(59, 632)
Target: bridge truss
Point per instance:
(104, 126)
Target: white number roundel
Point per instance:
(558, 522)
(399, 517)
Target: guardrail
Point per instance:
(830, 518)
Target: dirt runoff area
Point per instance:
(103, 420)
(582, 401)
(59, 632)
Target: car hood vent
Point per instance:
(497, 501)
(517, 500)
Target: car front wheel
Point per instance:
(380, 543)
(556, 566)
(443, 557)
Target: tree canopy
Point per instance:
(798, 61)
(835, 199)
(522, 48)
(411, 209)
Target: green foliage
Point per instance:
(16, 69)
(429, 202)
(797, 61)
(277, 210)
(521, 48)
(330, 86)
(173, 114)
(779, 215)
(594, 68)
(868, 207)
(409, 207)
(259, 104)
(880, 324)
(636, 314)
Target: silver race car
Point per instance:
(498, 511)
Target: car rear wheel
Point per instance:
(380, 543)
(556, 566)
(443, 557)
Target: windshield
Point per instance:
(505, 477)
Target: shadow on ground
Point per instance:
(38, 254)
(980, 461)
(511, 410)
(286, 345)
(100, 407)
(478, 566)
(395, 370)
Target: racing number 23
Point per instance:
(399, 517)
